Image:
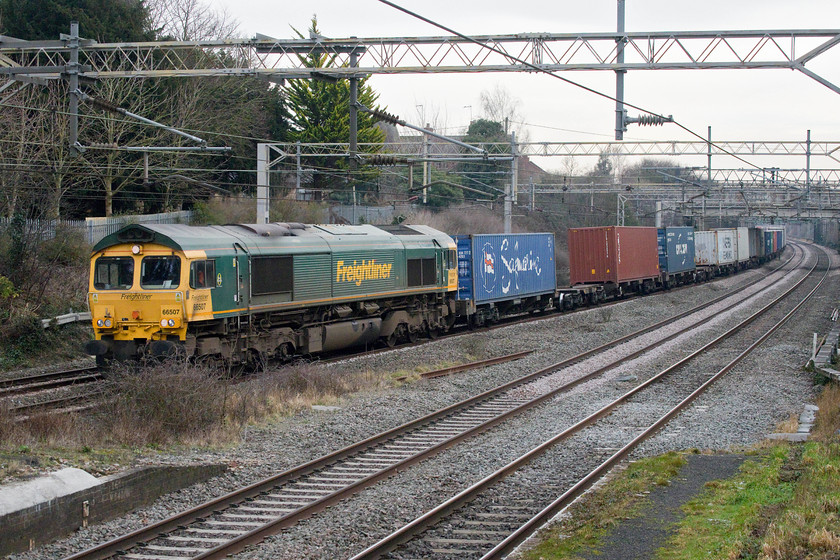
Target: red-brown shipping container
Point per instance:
(612, 254)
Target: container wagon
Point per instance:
(743, 248)
(676, 255)
(504, 274)
(618, 259)
(715, 252)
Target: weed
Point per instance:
(605, 314)
(475, 347)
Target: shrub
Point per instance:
(161, 403)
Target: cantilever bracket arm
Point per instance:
(102, 104)
(799, 63)
(818, 78)
(387, 117)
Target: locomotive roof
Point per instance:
(262, 238)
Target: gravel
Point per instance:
(737, 412)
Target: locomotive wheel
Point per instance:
(391, 339)
(285, 351)
(412, 334)
(432, 332)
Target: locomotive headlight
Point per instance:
(100, 323)
(163, 322)
(136, 250)
(171, 322)
(107, 322)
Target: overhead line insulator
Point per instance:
(385, 117)
(649, 120)
(384, 160)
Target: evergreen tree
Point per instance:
(489, 177)
(102, 20)
(320, 113)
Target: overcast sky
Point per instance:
(737, 104)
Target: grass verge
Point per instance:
(784, 504)
(591, 518)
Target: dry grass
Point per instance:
(790, 425)
(471, 219)
(168, 404)
(828, 417)
(240, 210)
(294, 388)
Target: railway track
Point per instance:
(232, 522)
(44, 393)
(51, 380)
(490, 518)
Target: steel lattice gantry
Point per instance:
(830, 149)
(680, 50)
(25, 61)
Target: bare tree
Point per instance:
(113, 169)
(35, 152)
(570, 166)
(498, 104)
(191, 20)
(429, 113)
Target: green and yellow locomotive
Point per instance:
(241, 293)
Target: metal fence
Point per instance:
(94, 229)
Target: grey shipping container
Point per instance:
(743, 254)
(705, 248)
(727, 246)
(500, 267)
(676, 249)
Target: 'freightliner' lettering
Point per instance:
(136, 297)
(356, 273)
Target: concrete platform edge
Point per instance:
(116, 495)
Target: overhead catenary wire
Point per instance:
(559, 77)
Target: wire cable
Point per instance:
(559, 77)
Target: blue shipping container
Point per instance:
(768, 242)
(676, 249)
(500, 267)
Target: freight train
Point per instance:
(244, 293)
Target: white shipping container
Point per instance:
(727, 246)
(743, 254)
(705, 248)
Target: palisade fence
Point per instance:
(94, 229)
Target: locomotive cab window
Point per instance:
(421, 272)
(160, 273)
(113, 273)
(202, 274)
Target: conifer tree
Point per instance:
(320, 113)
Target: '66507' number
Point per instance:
(170, 312)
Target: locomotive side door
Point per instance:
(242, 264)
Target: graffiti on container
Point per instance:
(514, 269)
